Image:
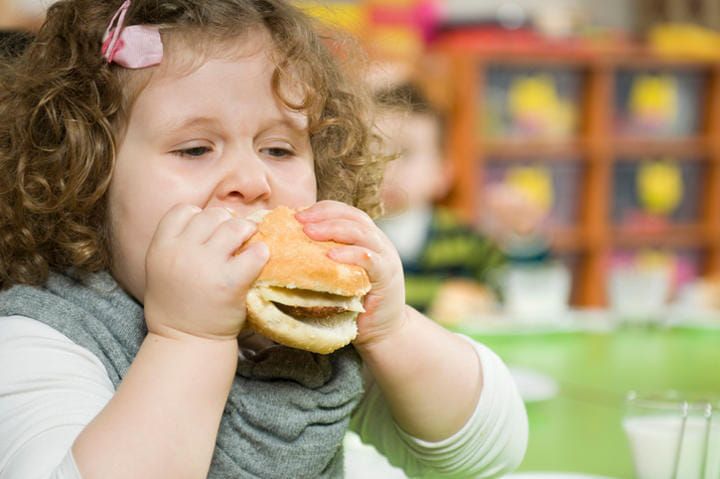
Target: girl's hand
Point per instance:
(195, 284)
(369, 248)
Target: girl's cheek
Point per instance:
(299, 179)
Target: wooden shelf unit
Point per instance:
(597, 146)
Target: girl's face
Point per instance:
(214, 137)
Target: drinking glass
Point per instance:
(673, 436)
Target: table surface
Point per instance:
(579, 430)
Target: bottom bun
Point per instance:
(323, 335)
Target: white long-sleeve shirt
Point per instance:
(51, 388)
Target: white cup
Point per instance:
(673, 439)
(639, 294)
(537, 293)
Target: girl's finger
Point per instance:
(176, 220)
(245, 267)
(345, 231)
(202, 226)
(231, 235)
(363, 257)
(328, 209)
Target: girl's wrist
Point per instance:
(169, 326)
(188, 342)
(378, 344)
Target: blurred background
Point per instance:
(556, 195)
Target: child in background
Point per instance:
(439, 251)
(135, 138)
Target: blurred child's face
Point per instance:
(418, 176)
(213, 137)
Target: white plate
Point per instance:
(572, 321)
(533, 385)
(506, 326)
(552, 475)
(705, 322)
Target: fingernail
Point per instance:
(232, 212)
(304, 212)
(263, 249)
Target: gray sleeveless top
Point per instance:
(287, 411)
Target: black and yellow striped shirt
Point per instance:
(451, 250)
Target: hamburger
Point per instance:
(302, 298)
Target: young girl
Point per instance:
(134, 140)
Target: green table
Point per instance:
(579, 430)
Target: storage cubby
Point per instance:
(628, 142)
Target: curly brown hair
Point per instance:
(63, 108)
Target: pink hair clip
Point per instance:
(136, 46)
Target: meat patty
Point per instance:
(314, 312)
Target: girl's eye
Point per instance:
(194, 152)
(277, 152)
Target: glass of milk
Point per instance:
(673, 437)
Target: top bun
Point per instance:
(296, 261)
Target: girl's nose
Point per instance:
(245, 181)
